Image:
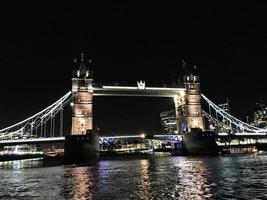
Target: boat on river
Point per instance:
(19, 153)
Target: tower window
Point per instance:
(82, 82)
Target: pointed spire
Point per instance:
(82, 65)
(184, 66)
(90, 66)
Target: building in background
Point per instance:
(259, 118)
(168, 121)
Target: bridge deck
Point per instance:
(102, 138)
(226, 136)
(32, 141)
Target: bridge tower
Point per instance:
(82, 145)
(82, 100)
(193, 109)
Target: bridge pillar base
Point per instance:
(177, 149)
(81, 148)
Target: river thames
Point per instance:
(155, 177)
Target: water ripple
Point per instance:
(225, 177)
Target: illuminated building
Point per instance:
(168, 121)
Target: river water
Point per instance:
(156, 177)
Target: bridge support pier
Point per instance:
(177, 149)
(81, 148)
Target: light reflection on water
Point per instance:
(159, 177)
(145, 180)
(80, 183)
(20, 164)
(193, 179)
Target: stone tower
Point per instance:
(82, 100)
(193, 109)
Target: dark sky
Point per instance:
(129, 42)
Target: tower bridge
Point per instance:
(190, 117)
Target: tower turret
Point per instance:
(82, 100)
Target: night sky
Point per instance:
(129, 42)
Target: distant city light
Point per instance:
(211, 127)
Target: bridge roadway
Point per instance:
(226, 136)
(222, 138)
(32, 141)
(242, 140)
(101, 139)
(138, 91)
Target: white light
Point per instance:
(117, 137)
(32, 140)
(166, 89)
(71, 104)
(82, 121)
(211, 126)
(141, 85)
(242, 134)
(147, 88)
(118, 88)
(143, 135)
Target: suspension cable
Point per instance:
(232, 119)
(37, 114)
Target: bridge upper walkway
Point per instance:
(138, 91)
